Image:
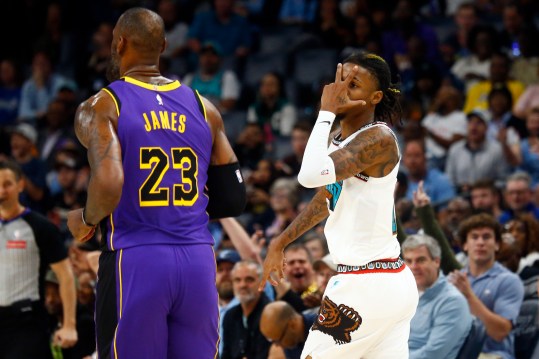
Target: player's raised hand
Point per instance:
(335, 95)
(273, 265)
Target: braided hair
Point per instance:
(389, 108)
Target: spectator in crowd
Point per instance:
(300, 273)
(241, 331)
(324, 269)
(57, 132)
(297, 12)
(225, 259)
(518, 196)
(514, 22)
(218, 85)
(250, 146)
(259, 213)
(31, 244)
(222, 26)
(330, 25)
(528, 100)
(485, 197)
(175, 30)
(85, 321)
(94, 76)
(444, 125)
(457, 210)
(475, 66)
(316, 244)
(283, 201)
(500, 66)
(525, 66)
(41, 88)
(500, 104)
(442, 320)
(494, 294)
(272, 110)
(23, 151)
(437, 185)
(475, 157)
(529, 146)
(285, 327)
(291, 163)
(365, 36)
(10, 92)
(456, 44)
(58, 41)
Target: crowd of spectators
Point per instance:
(469, 139)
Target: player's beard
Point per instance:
(113, 69)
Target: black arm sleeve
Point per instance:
(226, 191)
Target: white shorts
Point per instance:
(365, 316)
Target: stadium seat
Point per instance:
(527, 329)
(474, 341)
(234, 123)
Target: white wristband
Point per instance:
(325, 117)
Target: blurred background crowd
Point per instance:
(469, 135)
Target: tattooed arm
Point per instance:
(222, 152)
(313, 214)
(95, 126)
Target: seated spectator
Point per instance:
(444, 125)
(475, 157)
(222, 26)
(477, 95)
(283, 201)
(456, 44)
(175, 30)
(330, 25)
(437, 185)
(442, 320)
(316, 244)
(23, 151)
(241, 324)
(485, 197)
(272, 110)
(529, 146)
(528, 100)
(94, 78)
(494, 294)
(259, 213)
(525, 66)
(456, 211)
(518, 196)
(365, 36)
(283, 326)
(10, 92)
(219, 86)
(250, 147)
(291, 164)
(324, 270)
(40, 88)
(300, 273)
(475, 66)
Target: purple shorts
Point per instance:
(158, 302)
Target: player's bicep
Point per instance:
(222, 152)
(372, 149)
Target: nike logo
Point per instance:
(325, 122)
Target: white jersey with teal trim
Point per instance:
(361, 227)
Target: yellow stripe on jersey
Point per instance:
(111, 232)
(121, 295)
(166, 87)
(113, 99)
(203, 106)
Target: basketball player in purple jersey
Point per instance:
(161, 166)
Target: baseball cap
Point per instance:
(482, 114)
(325, 261)
(27, 131)
(210, 46)
(228, 255)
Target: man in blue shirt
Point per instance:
(494, 293)
(442, 320)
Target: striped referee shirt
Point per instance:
(28, 244)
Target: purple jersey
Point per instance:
(166, 146)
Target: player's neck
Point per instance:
(351, 124)
(145, 73)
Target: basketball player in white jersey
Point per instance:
(367, 307)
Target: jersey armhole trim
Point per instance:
(115, 98)
(201, 105)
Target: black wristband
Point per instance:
(84, 220)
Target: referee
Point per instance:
(29, 243)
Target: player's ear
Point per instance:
(120, 46)
(376, 97)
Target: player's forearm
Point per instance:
(67, 293)
(103, 196)
(314, 213)
(317, 167)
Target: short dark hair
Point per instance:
(485, 184)
(389, 108)
(481, 220)
(13, 167)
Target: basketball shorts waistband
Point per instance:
(390, 265)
